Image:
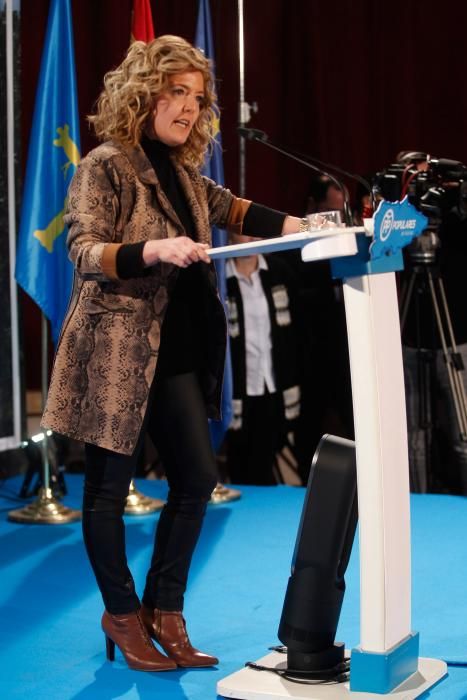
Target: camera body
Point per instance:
(435, 186)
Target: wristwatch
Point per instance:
(304, 225)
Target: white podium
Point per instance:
(386, 663)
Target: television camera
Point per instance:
(435, 186)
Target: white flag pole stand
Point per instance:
(386, 663)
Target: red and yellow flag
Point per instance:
(142, 28)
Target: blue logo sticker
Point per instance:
(396, 225)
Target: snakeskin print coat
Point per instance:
(107, 352)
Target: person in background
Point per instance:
(362, 204)
(142, 346)
(326, 405)
(261, 299)
(324, 195)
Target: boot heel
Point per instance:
(110, 648)
(128, 633)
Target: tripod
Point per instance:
(426, 280)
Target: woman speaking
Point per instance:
(143, 343)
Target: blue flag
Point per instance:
(42, 266)
(214, 169)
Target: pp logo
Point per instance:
(387, 225)
(396, 225)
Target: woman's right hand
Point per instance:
(181, 251)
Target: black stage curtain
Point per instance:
(351, 82)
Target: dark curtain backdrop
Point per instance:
(351, 82)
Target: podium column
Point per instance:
(388, 650)
(382, 462)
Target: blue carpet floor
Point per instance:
(52, 648)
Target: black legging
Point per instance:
(177, 423)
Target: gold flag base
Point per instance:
(46, 509)
(222, 494)
(139, 504)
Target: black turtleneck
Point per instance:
(183, 331)
(130, 255)
(158, 154)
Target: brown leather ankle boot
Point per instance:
(169, 630)
(129, 633)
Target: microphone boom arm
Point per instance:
(262, 137)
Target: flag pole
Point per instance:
(242, 113)
(213, 168)
(244, 109)
(41, 213)
(11, 186)
(46, 509)
(44, 387)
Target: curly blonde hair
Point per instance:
(130, 92)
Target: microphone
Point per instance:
(441, 162)
(252, 134)
(448, 168)
(262, 137)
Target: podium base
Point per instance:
(249, 684)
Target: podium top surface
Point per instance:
(287, 242)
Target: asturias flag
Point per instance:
(142, 28)
(42, 266)
(214, 169)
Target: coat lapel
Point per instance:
(147, 175)
(193, 188)
(192, 185)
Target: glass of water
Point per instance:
(325, 219)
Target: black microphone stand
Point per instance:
(341, 171)
(261, 137)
